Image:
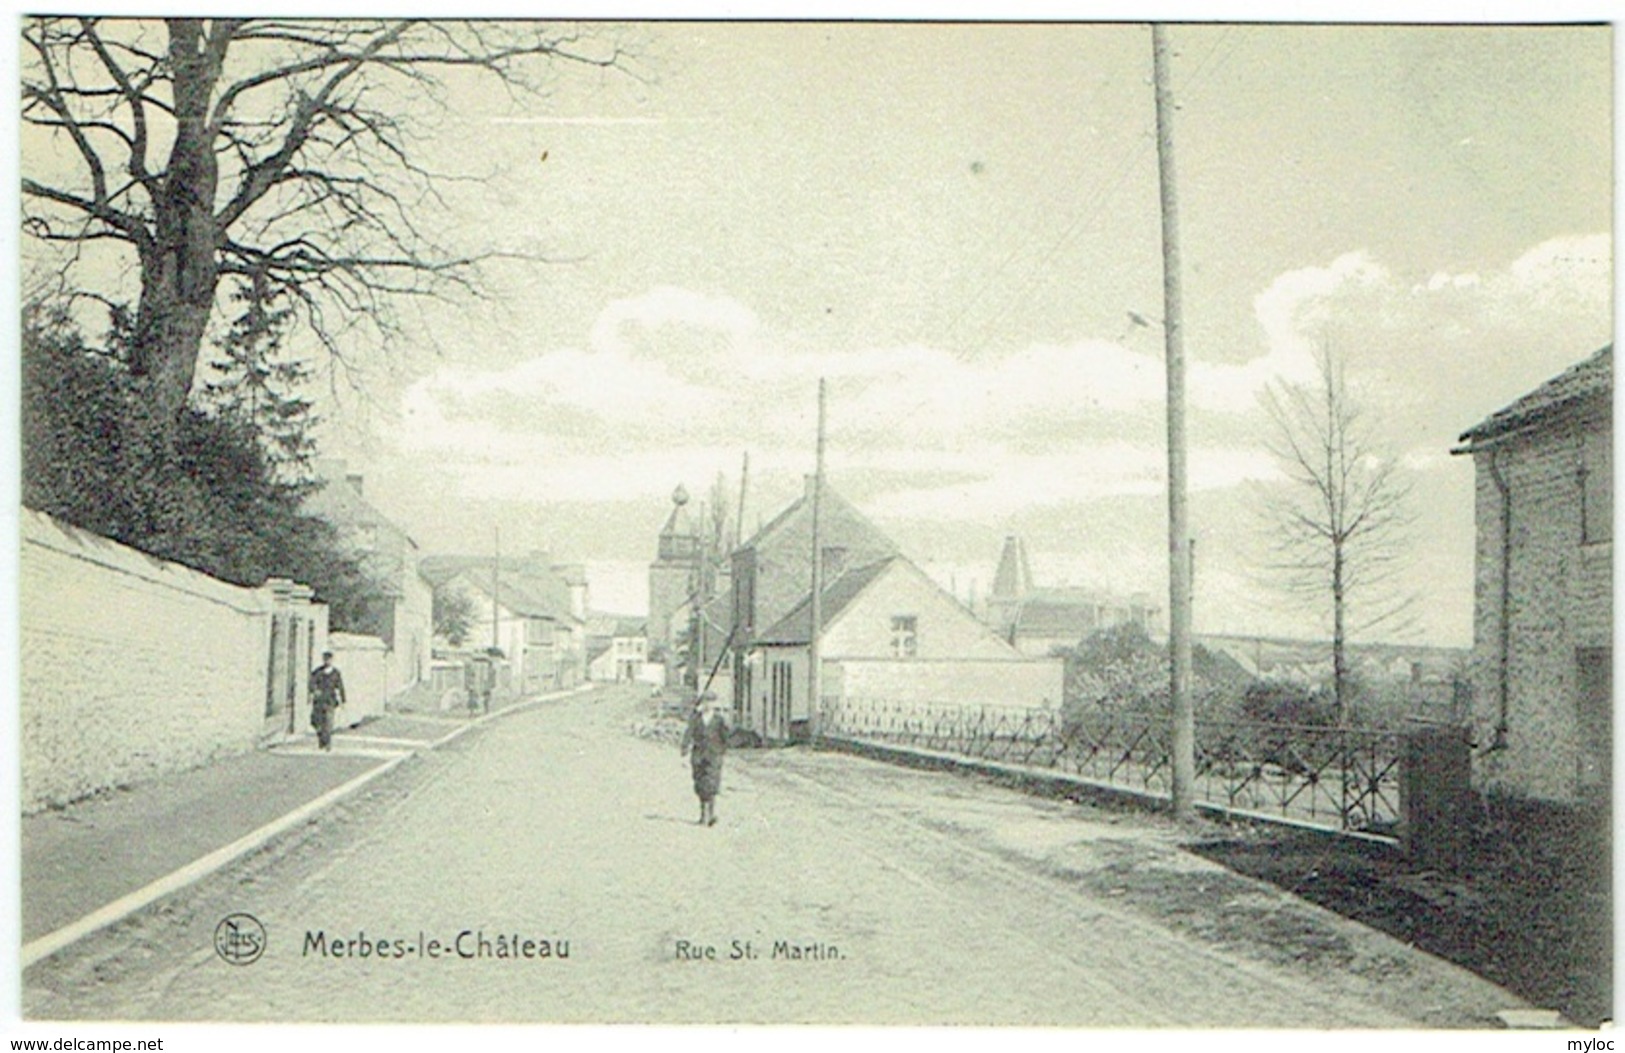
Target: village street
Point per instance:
(910, 897)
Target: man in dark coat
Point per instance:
(326, 695)
(705, 741)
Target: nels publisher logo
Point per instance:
(239, 939)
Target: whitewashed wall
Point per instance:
(131, 667)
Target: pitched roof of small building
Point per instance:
(339, 501)
(522, 586)
(796, 627)
(1594, 376)
(1051, 617)
(602, 624)
(1068, 610)
(834, 511)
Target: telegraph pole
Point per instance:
(739, 517)
(702, 595)
(496, 580)
(813, 678)
(1179, 540)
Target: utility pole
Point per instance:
(813, 678)
(496, 585)
(1179, 540)
(739, 518)
(701, 596)
(741, 641)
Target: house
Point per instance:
(1039, 621)
(617, 648)
(889, 634)
(403, 618)
(771, 573)
(526, 607)
(1542, 598)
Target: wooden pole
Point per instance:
(1179, 548)
(741, 641)
(496, 585)
(739, 517)
(813, 671)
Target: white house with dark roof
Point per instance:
(403, 615)
(771, 573)
(618, 649)
(529, 603)
(889, 635)
(1543, 595)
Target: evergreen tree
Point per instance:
(213, 499)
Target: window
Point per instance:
(1596, 472)
(905, 641)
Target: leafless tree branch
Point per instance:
(263, 147)
(1340, 520)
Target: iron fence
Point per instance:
(1341, 778)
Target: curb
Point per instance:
(121, 908)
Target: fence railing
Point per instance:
(1340, 778)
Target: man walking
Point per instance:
(705, 741)
(326, 695)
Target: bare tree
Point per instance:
(720, 520)
(1340, 521)
(281, 152)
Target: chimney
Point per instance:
(354, 479)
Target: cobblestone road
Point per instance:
(912, 897)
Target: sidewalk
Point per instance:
(83, 859)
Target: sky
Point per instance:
(958, 227)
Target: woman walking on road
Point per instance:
(705, 741)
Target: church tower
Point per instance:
(672, 577)
(1011, 584)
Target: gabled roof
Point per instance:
(339, 502)
(522, 588)
(832, 505)
(602, 624)
(1038, 617)
(796, 627)
(1594, 376)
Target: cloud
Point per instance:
(673, 384)
(1006, 483)
(1431, 356)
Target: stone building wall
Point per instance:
(1559, 614)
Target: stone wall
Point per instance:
(1560, 603)
(131, 667)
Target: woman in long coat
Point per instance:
(705, 741)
